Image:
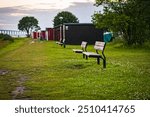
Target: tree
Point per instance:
(65, 17)
(126, 17)
(28, 24)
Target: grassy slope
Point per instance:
(53, 72)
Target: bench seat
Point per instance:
(77, 50)
(62, 43)
(57, 42)
(91, 54)
(83, 46)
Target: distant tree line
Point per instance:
(128, 18)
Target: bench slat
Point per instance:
(91, 54)
(99, 45)
(83, 44)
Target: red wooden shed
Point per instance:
(49, 34)
(34, 35)
(43, 34)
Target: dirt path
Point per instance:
(3, 72)
(19, 90)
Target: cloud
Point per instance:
(57, 4)
(8, 26)
(48, 6)
(19, 14)
(42, 4)
(9, 17)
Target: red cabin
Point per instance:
(43, 34)
(49, 34)
(34, 35)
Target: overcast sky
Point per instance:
(11, 11)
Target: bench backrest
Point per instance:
(84, 45)
(99, 45)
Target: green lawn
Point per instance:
(48, 71)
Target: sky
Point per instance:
(11, 11)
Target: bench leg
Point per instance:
(86, 57)
(83, 55)
(104, 63)
(98, 60)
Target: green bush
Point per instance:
(6, 37)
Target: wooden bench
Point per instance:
(62, 43)
(99, 46)
(83, 46)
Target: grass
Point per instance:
(53, 72)
(4, 43)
